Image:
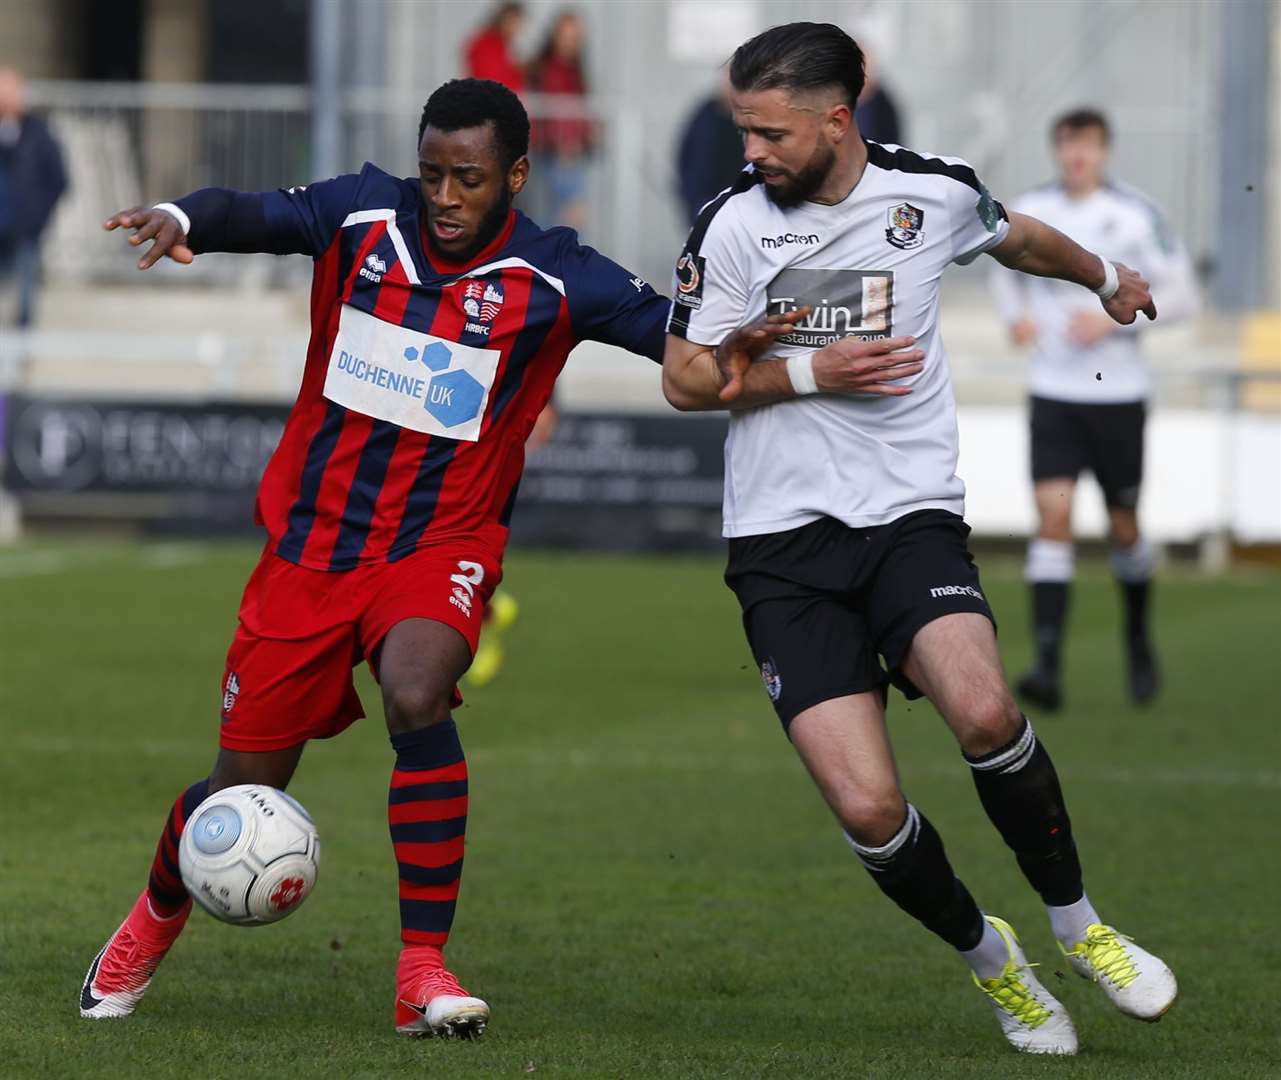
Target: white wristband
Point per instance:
(800, 369)
(179, 215)
(1110, 281)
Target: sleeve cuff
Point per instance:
(177, 213)
(989, 242)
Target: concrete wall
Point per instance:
(39, 37)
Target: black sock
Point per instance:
(1135, 596)
(913, 871)
(1049, 612)
(1020, 791)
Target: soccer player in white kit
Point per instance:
(1089, 386)
(807, 303)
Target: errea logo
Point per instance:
(231, 691)
(373, 269)
(783, 239)
(955, 590)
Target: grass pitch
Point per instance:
(653, 889)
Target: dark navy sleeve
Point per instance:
(291, 221)
(612, 305)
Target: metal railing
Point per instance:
(132, 143)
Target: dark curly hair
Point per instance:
(465, 103)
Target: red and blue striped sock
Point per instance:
(427, 812)
(165, 890)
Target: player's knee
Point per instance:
(986, 720)
(1056, 526)
(274, 768)
(414, 706)
(1124, 531)
(871, 818)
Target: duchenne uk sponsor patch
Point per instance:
(418, 381)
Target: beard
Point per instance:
(804, 185)
(490, 226)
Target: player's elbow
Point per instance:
(1018, 246)
(677, 365)
(678, 396)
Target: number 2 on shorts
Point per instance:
(469, 576)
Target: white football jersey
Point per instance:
(1121, 224)
(869, 267)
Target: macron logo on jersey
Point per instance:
(783, 239)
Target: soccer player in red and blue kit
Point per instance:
(440, 318)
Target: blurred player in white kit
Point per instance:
(1089, 385)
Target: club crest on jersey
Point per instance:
(689, 280)
(482, 301)
(230, 692)
(905, 221)
(773, 681)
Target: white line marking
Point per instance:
(35, 562)
(167, 556)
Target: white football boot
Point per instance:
(1031, 1019)
(1135, 981)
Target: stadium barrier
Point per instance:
(607, 481)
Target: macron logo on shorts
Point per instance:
(955, 590)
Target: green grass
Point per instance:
(653, 888)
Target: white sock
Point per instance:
(1049, 560)
(989, 957)
(1133, 564)
(1070, 923)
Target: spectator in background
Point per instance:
(32, 179)
(876, 114)
(710, 153)
(489, 52)
(562, 140)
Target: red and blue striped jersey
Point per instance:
(423, 378)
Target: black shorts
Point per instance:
(822, 601)
(1068, 437)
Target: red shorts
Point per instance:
(302, 632)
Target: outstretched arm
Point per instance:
(166, 232)
(300, 220)
(698, 378)
(730, 376)
(1033, 247)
